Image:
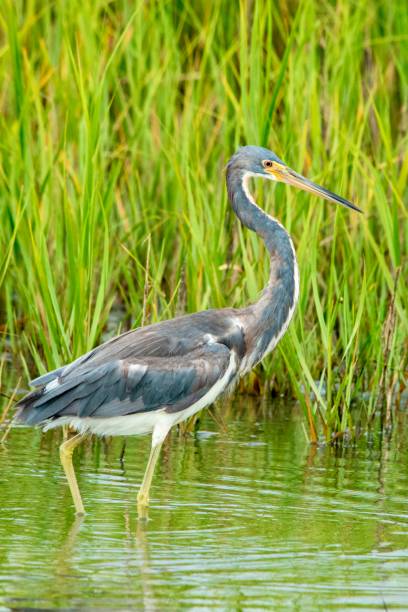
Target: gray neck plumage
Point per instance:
(266, 321)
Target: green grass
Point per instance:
(117, 119)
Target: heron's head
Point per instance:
(257, 161)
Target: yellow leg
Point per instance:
(143, 495)
(66, 450)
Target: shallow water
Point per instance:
(246, 518)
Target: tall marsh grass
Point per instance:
(117, 119)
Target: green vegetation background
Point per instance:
(117, 119)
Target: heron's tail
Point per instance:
(26, 407)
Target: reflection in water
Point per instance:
(142, 543)
(245, 518)
(64, 564)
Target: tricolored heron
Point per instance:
(149, 379)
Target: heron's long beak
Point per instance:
(287, 175)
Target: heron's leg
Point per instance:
(66, 450)
(143, 495)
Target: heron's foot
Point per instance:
(142, 505)
(142, 513)
(142, 498)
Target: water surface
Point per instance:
(243, 517)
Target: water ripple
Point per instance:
(249, 519)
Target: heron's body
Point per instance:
(149, 379)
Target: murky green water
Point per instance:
(247, 519)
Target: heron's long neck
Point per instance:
(266, 321)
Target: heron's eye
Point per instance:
(267, 163)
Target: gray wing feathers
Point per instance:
(126, 387)
(40, 381)
(176, 337)
(43, 380)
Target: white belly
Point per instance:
(158, 422)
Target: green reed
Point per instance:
(117, 119)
